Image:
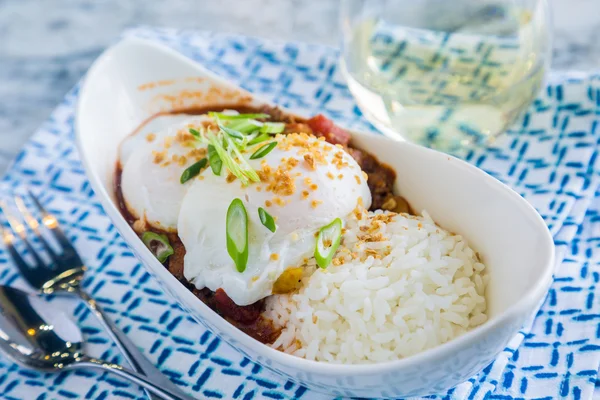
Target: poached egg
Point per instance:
(152, 162)
(305, 184)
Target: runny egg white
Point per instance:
(306, 183)
(150, 179)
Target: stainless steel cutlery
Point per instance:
(63, 275)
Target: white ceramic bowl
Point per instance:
(135, 79)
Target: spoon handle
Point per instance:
(132, 354)
(134, 377)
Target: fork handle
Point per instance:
(129, 350)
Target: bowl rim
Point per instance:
(525, 304)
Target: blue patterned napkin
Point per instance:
(549, 157)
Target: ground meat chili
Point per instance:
(249, 318)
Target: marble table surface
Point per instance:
(46, 46)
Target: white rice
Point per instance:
(411, 288)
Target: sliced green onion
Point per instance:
(243, 165)
(231, 132)
(229, 162)
(245, 126)
(236, 229)
(222, 140)
(240, 167)
(259, 139)
(158, 244)
(263, 151)
(227, 146)
(195, 132)
(193, 170)
(328, 241)
(229, 117)
(266, 219)
(215, 161)
(272, 127)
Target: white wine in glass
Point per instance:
(444, 74)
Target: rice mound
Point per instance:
(398, 285)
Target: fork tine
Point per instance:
(8, 239)
(51, 223)
(34, 225)
(19, 229)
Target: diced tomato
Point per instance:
(323, 126)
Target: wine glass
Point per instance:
(444, 74)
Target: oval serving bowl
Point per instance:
(135, 79)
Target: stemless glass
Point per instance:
(441, 73)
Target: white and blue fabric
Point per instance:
(549, 157)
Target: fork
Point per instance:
(63, 275)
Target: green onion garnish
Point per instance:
(238, 166)
(228, 117)
(328, 241)
(243, 165)
(195, 132)
(263, 151)
(272, 127)
(158, 244)
(225, 146)
(237, 234)
(266, 219)
(245, 126)
(226, 159)
(231, 132)
(193, 170)
(215, 161)
(260, 138)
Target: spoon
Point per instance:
(36, 335)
